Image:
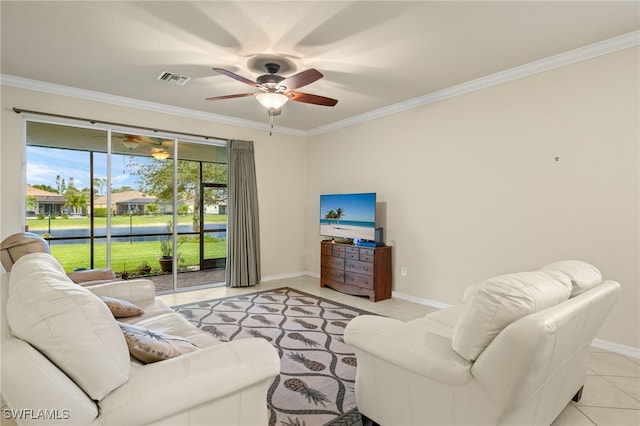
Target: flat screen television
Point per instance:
(348, 216)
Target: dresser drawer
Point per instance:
(352, 253)
(332, 274)
(338, 251)
(366, 252)
(365, 281)
(357, 270)
(327, 249)
(366, 256)
(359, 267)
(332, 262)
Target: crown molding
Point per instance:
(57, 89)
(566, 58)
(576, 55)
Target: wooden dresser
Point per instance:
(361, 271)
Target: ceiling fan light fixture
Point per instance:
(159, 154)
(130, 144)
(272, 100)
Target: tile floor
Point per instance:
(612, 390)
(611, 394)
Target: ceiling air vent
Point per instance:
(179, 80)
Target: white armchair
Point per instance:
(515, 353)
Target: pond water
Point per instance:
(217, 230)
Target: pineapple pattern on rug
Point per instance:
(317, 377)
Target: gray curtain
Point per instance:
(243, 227)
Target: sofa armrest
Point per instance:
(162, 389)
(132, 290)
(30, 380)
(86, 275)
(419, 351)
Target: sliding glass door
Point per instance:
(129, 200)
(213, 232)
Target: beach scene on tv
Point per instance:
(348, 216)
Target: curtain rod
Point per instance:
(111, 123)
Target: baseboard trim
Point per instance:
(420, 301)
(284, 276)
(617, 348)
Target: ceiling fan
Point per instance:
(276, 90)
(132, 142)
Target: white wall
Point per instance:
(473, 189)
(280, 166)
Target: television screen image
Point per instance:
(348, 216)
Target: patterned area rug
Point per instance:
(351, 418)
(317, 376)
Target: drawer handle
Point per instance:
(366, 268)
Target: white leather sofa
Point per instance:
(65, 359)
(514, 353)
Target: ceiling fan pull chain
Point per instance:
(271, 122)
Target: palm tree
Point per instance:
(339, 214)
(76, 200)
(331, 214)
(99, 184)
(32, 203)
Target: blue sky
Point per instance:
(44, 164)
(357, 207)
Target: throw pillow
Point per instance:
(150, 346)
(122, 308)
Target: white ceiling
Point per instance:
(372, 54)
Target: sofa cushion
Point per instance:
(150, 346)
(499, 301)
(70, 325)
(92, 276)
(583, 276)
(121, 308)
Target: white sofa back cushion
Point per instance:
(497, 302)
(68, 324)
(583, 276)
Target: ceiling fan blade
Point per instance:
(311, 99)
(301, 79)
(236, 77)
(239, 95)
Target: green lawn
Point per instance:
(129, 256)
(83, 222)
